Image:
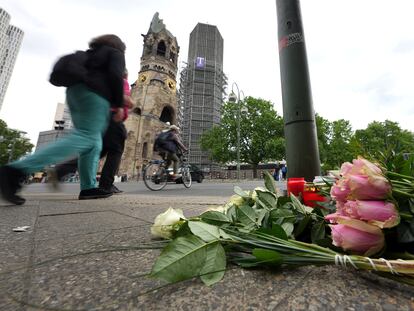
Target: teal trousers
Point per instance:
(90, 116)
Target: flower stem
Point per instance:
(406, 194)
(399, 175)
(406, 216)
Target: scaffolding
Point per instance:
(202, 90)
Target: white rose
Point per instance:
(163, 223)
(236, 200)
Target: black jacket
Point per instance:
(105, 67)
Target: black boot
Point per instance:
(94, 193)
(10, 182)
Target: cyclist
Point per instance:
(168, 144)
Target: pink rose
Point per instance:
(364, 187)
(360, 166)
(357, 236)
(361, 187)
(379, 213)
(340, 190)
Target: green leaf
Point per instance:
(182, 259)
(405, 232)
(239, 191)
(183, 231)
(245, 260)
(318, 231)
(231, 213)
(204, 231)
(281, 215)
(224, 235)
(301, 225)
(281, 201)
(270, 183)
(411, 205)
(268, 256)
(246, 214)
(267, 221)
(267, 199)
(215, 265)
(288, 227)
(247, 228)
(276, 231)
(298, 205)
(261, 216)
(214, 218)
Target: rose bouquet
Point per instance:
(263, 228)
(371, 209)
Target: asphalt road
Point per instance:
(206, 188)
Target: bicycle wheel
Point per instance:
(155, 177)
(186, 177)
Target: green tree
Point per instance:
(13, 144)
(324, 132)
(339, 147)
(381, 139)
(261, 134)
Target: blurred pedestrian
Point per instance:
(276, 172)
(284, 172)
(113, 147)
(89, 101)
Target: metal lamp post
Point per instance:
(233, 98)
(302, 153)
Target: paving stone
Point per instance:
(70, 259)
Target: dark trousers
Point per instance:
(112, 147)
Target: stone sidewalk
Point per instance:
(64, 262)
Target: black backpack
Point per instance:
(69, 69)
(161, 141)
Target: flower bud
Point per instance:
(360, 166)
(379, 213)
(163, 223)
(364, 187)
(236, 200)
(357, 236)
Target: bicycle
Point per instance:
(156, 175)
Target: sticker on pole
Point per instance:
(290, 39)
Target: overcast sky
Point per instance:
(360, 53)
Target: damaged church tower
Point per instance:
(154, 95)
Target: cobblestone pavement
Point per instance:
(70, 259)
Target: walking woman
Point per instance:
(89, 103)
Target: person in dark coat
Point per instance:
(169, 148)
(113, 147)
(89, 102)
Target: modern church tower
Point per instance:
(202, 89)
(10, 40)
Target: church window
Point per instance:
(172, 57)
(161, 48)
(137, 111)
(145, 150)
(167, 115)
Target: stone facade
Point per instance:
(154, 95)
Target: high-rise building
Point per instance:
(10, 40)
(62, 116)
(202, 87)
(62, 124)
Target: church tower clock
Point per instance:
(154, 95)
